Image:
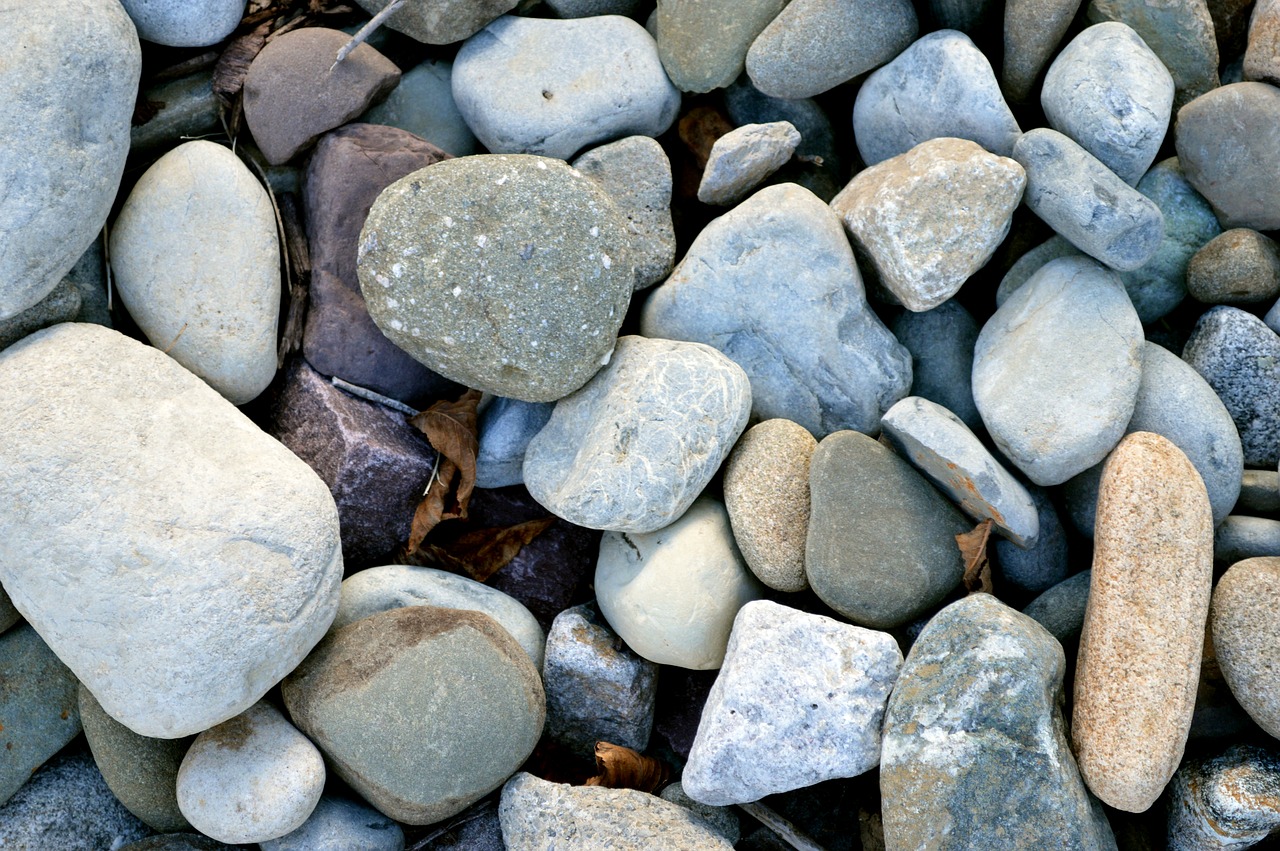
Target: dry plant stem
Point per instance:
(371, 396)
(106, 260)
(366, 31)
(785, 829)
(281, 233)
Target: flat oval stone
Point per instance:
(743, 158)
(374, 691)
(1259, 493)
(509, 274)
(440, 21)
(1061, 608)
(537, 86)
(339, 824)
(65, 120)
(1139, 661)
(703, 43)
(1240, 266)
(748, 286)
(1245, 619)
(1057, 369)
(632, 449)
(881, 548)
(197, 263)
(941, 344)
(1226, 801)
(37, 705)
(175, 557)
(1239, 537)
(185, 23)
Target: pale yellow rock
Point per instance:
(1140, 651)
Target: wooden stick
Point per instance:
(780, 826)
(367, 30)
(370, 395)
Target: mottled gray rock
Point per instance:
(197, 263)
(632, 449)
(62, 304)
(1240, 358)
(881, 548)
(440, 21)
(930, 218)
(1041, 565)
(975, 752)
(1259, 492)
(800, 700)
(1060, 610)
(395, 586)
(1112, 95)
(538, 815)
(636, 174)
(597, 688)
(1228, 142)
(942, 447)
(339, 824)
(941, 344)
(1239, 537)
(1240, 266)
(184, 23)
(187, 108)
(1262, 54)
(37, 705)
(940, 86)
(537, 86)
(815, 45)
(65, 121)
(1084, 201)
(1245, 621)
(1228, 801)
(751, 286)
(672, 594)
(1180, 33)
(1032, 31)
(1056, 370)
(1031, 262)
(520, 274)
(422, 104)
(743, 157)
(506, 427)
(723, 819)
(177, 559)
(375, 690)
(703, 43)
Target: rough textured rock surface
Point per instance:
(1139, 660)
(743, 158)
(1245, 619)
(1262, 55)
(941, 344)
(1180, 33)
(1227, 801)
(440, 21)
(174, 556)
(184, 23)
(703, 43)
(1240, 266)
(37, 705)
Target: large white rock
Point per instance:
(177, 559)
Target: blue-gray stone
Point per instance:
(975, 750)
(743, 158)
(185, 23)
(422, 104)
(817, 164)
(1044, 563)
(339, 824)
(506, 427)
(38, 707)
(1238, 538)
(1061, 609)
(1083, 200)
(941, 344)
(1056, 370)
(1240, 358)
(1028, 264)
(591, 8)
(1259, 492)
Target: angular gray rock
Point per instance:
(703, 43)
(1032, 31)
(1245, 621)
(1180, 33)
(632, 449)
(440, 21)
(65, 121)
(422, 104)
(185, 23)
(1057, 369)
(941, 344)
(537, 86)
(818, 162)
(743, 158)
(37, 706)
(1240, 266)
(340, 824)
(800, 700)
(506, 426)
(773, 284)
(1228, 801)
(175, 557)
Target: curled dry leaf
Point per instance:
(622, 768)
(480, 553)
(699, 130)
(977, 565)
(450, 428)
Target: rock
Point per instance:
(159, 516)
(65, 805)
(506, 427)
(182, 23)
(930, 218)
(63, 159)
(722, 819)
(1238, 538)
(1181, 34)
(440, 21)
(1033, 29)
(942, 447)
(62, 304)
(422, 104)
(89, 277)
(537, 86)
(1061, 609)
(1083, 200)
(9, 616)
(476, 828)
(1239, 357)
(520, 278)
(538, 815)
(189, 109)
(1240, 266)
(1245, 620)
(881, 548)
(374, 463)
(1259, 492)
(975, 753)
(744, 157)
(37, 705)
(672, 594)
(1030, 263)
(1044, 563)
(1057, 369)
(1262, 56)
(1228, 142)
(197, 264)
(347, 171)
(749, 285)
(141, 772)
(250, 779)
(175, 842)
(940, 86)
(435, 668)
(291, 95)
(766, 492)
(395, 586)
(339, 824)
(597, 688)
(636, 174)
(1227, 801)
(632, 449)
(818, 162)
(815, 45)
(1144, 626)
(941, 344)
(591, 8)
(800, 700)
(703, 43)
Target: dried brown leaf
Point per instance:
(233, 64)
(480, 553)
(977, 565)
(699, 130)
(450, 428)
(622, 768)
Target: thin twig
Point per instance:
(372, 396)
(779, 825)
(181, 330)
(365, 31)
(282, 234)
(106, 259)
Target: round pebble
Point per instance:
(1245, 621)
(1240, 266)
(185, 23)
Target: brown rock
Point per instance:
(1262, 56)
(1033, 29)
(291, 96)
(1140, 650)
(1246, 635)
(1240, 266)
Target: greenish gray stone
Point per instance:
(975, 751)
(1259, 492)
(881, 548)
(37, 707)
(141, 771)
(509, 274)
(422, 104)
(703, 43)
(440, 21)
(185, 107)
(1180, 32)
(1245, 621)
(1060, 610)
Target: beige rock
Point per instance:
(1140, 650)
(1262, 57)
(1245, 621)
(766, 490)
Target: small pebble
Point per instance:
(742, 158)
(1259, 492)
(422, 104)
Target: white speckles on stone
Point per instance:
(482, 240)
(396, 324)
(457, 291)
(542, 166)
(448, 220)
(397, 269)
(606, 261)
(595, 231)
(391, 302)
